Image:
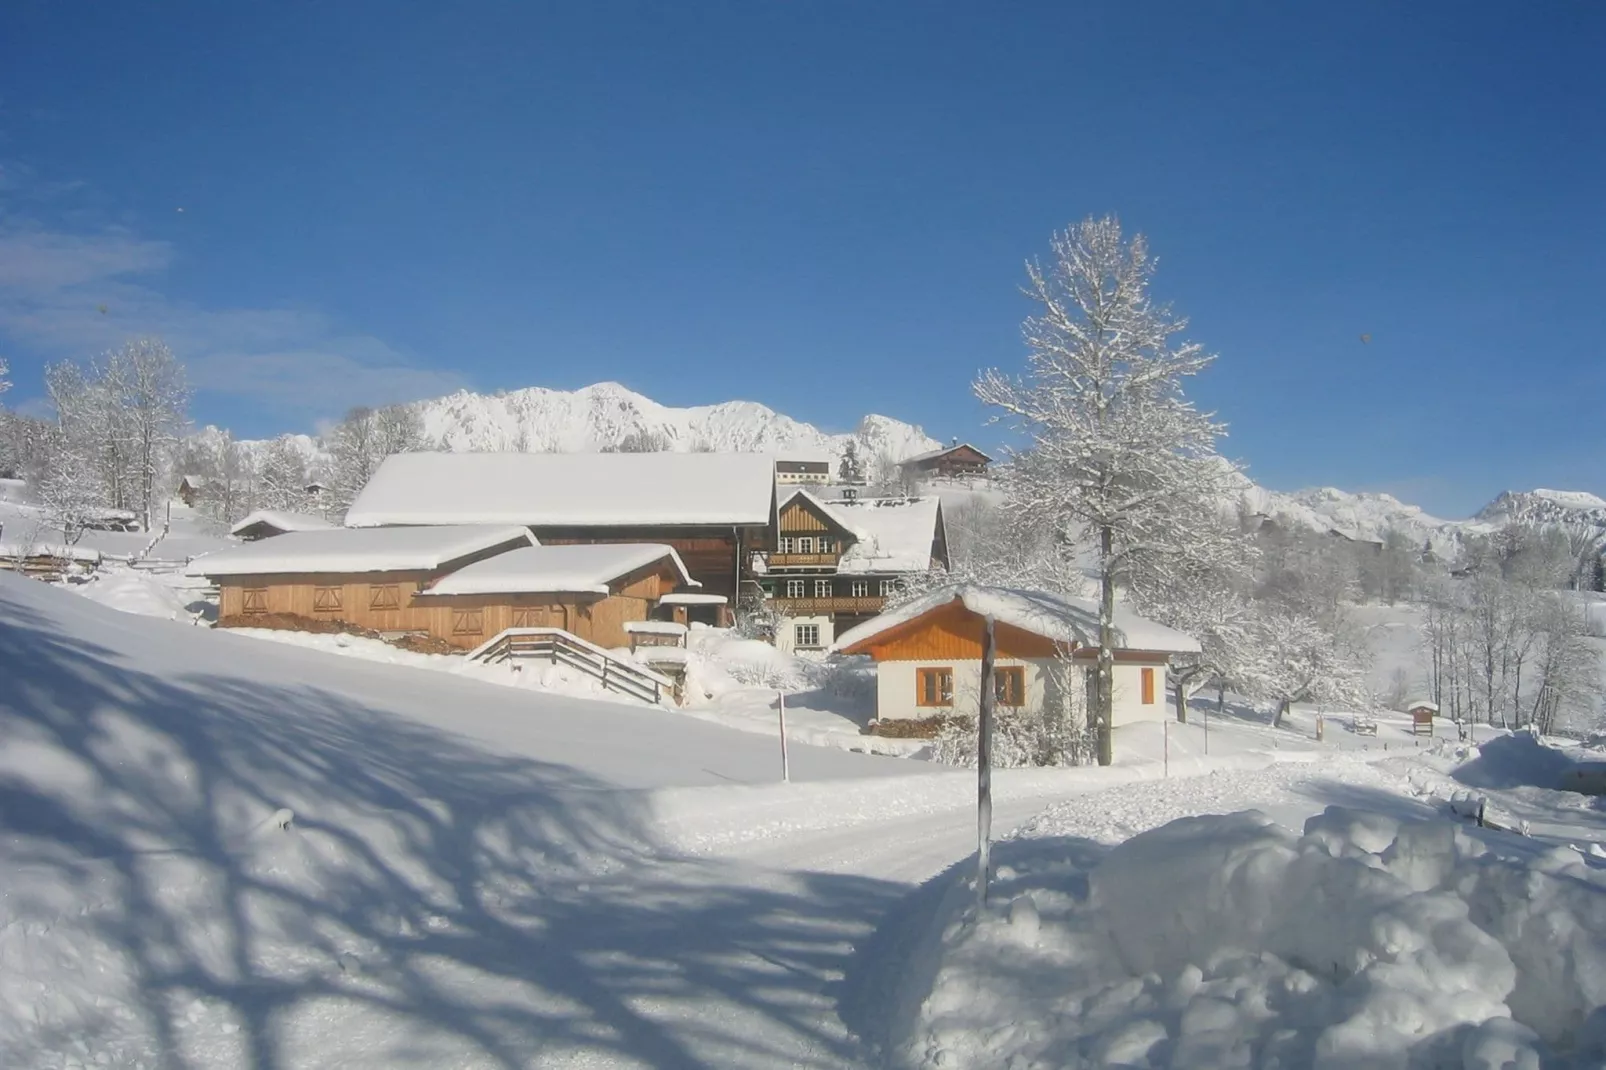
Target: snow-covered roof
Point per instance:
(1057, 617)
(654, 627)
(569, 569)
(931, 455)
(568, 489)
(281, 521)
(692, 598)
(890, 534)
(345, 550)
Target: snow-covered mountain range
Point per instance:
(608, 416)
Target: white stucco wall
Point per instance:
(786, 633)
(896, 696)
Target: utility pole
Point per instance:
(984, 760)
(786, 765)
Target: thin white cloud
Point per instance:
(71, 294)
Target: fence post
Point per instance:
(786, 765)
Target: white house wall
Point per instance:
(897, 698)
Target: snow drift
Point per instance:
(1368, 942)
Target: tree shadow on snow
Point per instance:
(430, 903)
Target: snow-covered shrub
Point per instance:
(1226, 941)
(1019, 740)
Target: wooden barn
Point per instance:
(928, 654)
(266, 523)
(591, 591)
(958, 461)
(366, 578)
(714, 509)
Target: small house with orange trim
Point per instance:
(928, 653)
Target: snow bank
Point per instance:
(135, 592)
(1370, 941)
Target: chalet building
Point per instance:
(792, 472)
(462, 585)
(958, 461)
(835, 563)
(928, 654)
(266, 523)
(714, 509)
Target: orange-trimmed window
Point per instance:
(253, 600)
(326, 599)
(934, 687)
(1009, 685)
(1148, 687)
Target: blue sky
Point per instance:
(826, 207)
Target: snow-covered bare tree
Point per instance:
(70, 494)
(281, 473)
(361, 442)
(152, 399)
(1301, 659)
(5, 369)
(1215, 609)
(1117, 460)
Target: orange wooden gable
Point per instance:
(950, 632)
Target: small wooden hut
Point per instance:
(1422, 713)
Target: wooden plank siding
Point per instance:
(712, 555)
(953, 633)
(464, 621)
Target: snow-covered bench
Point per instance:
(1362, 725)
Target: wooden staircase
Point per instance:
(561, 647)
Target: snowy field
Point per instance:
(221, 851)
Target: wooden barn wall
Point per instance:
(800, 517)
(953, 633)
(465, 621)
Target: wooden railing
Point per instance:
(803, 560)
(805, 607)
(559, 646)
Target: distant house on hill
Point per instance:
(835, 563)
(793, 471)
(266, 523)
(714, 509)
(191, 489)
(928, 654)
(960, 460)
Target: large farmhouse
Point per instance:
(960, 460)
(835, 563)
(460, 584)
(928, 654)
(714, 509)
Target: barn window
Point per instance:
(384, 596)
(1148, 687)
(524, 617)
(468, 622)
(1009, 685)
(934, 687)
(326, 599)
(807, 636)
(254, 600)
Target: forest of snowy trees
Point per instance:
(120, 442)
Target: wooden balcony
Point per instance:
(803, 560)
(814, 607)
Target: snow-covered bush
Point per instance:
(1229, 941)
(1019, 740)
